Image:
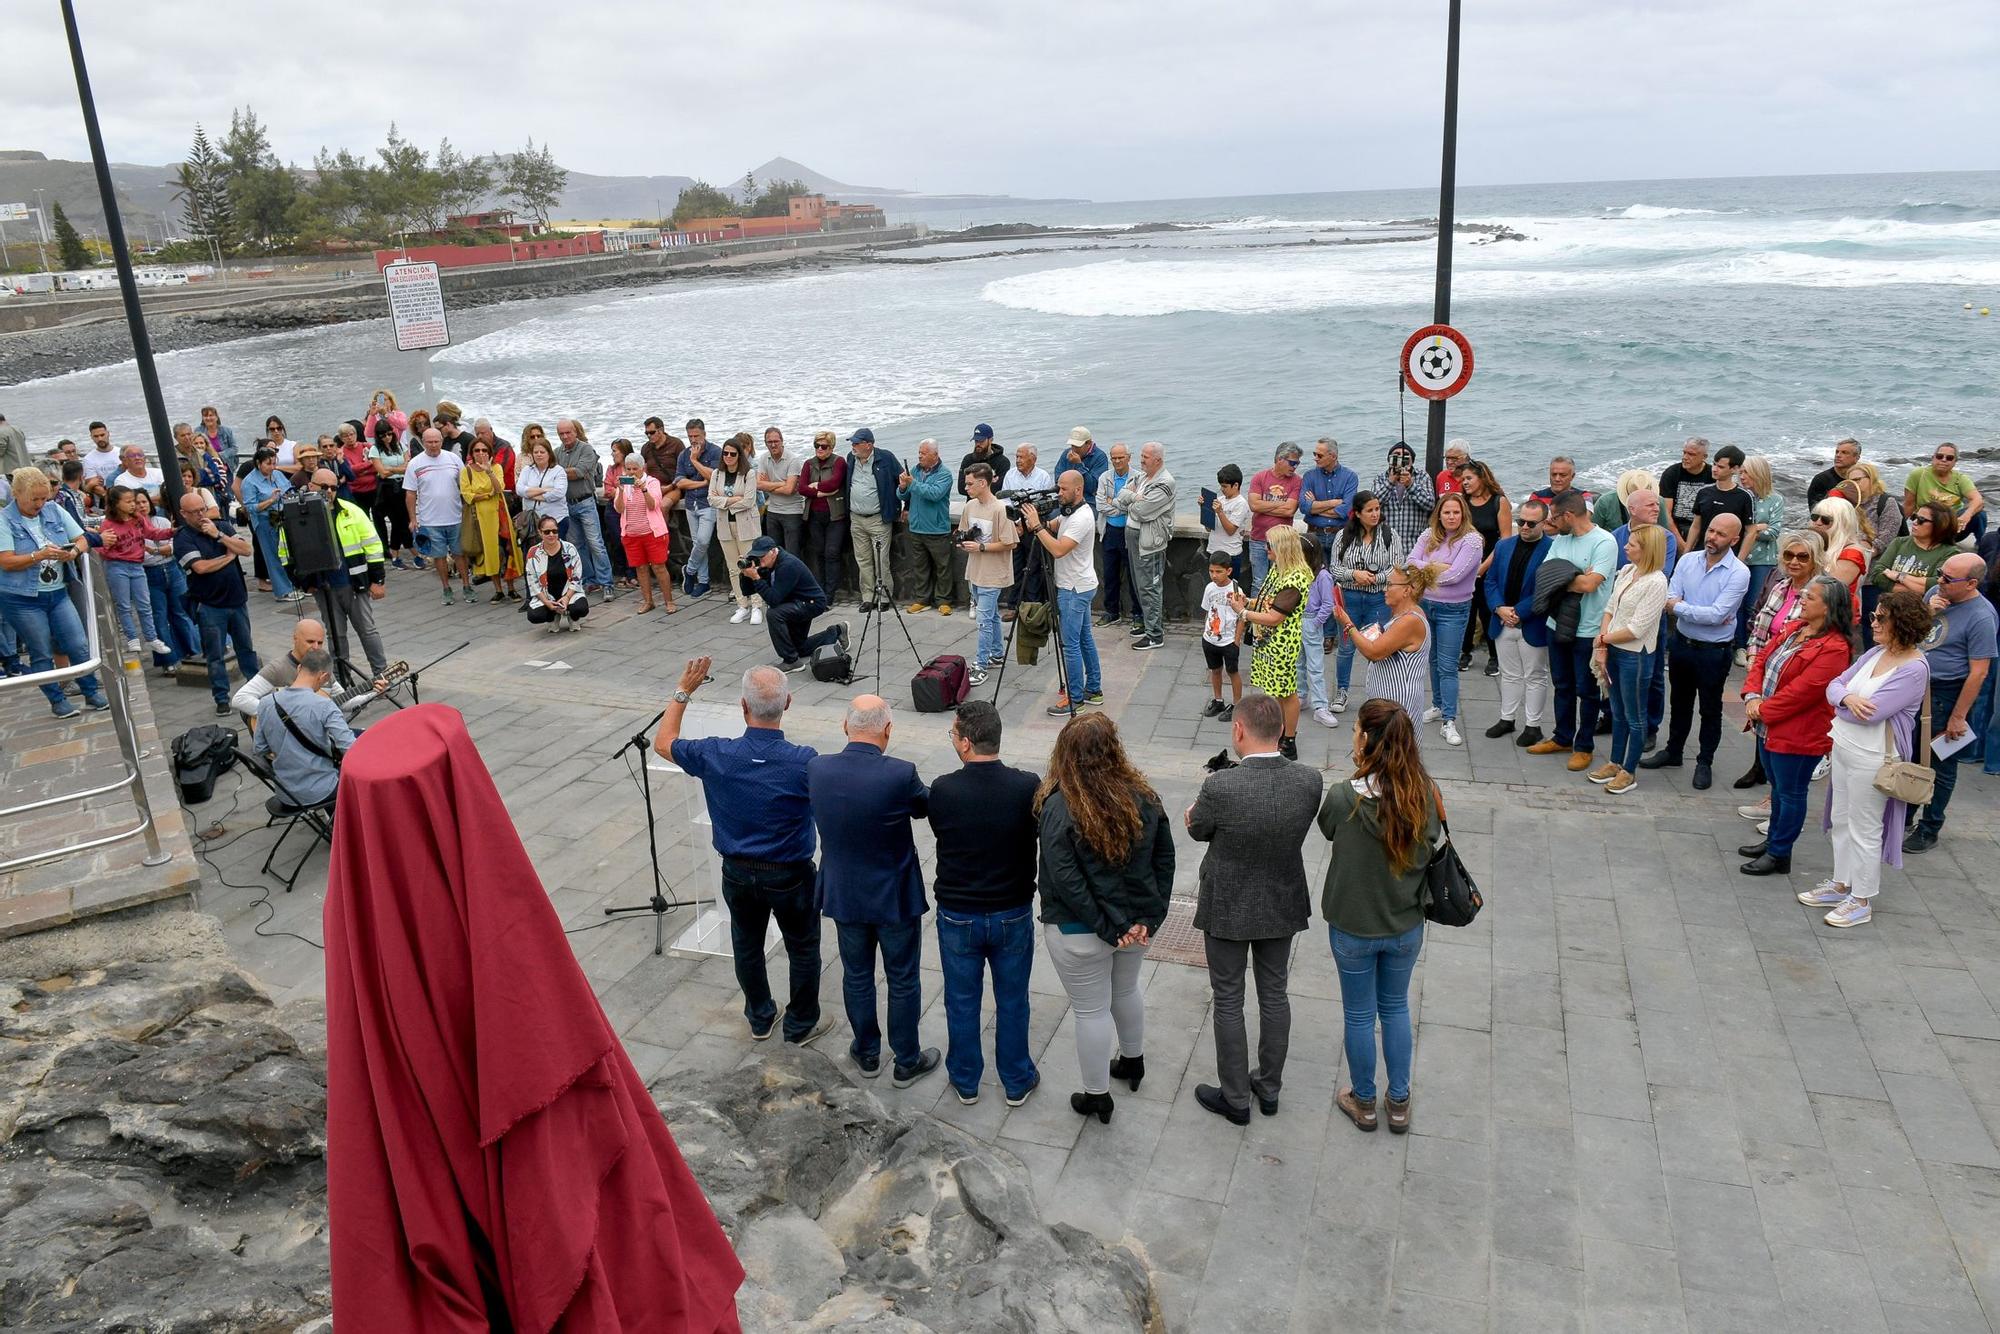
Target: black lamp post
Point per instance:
(128, 286)
(1447, 191)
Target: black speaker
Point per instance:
(831, 663)
(307, 523)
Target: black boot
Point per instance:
(1767, 865)
(1754, 778)
(1092, 1104)
(1131, 1069)
(1757, 849)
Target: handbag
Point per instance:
(1908, 781)
(1450, 896)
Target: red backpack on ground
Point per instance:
(941, 685)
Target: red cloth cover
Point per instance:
(494, 1161)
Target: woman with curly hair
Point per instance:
(1382, 824)
(1278, 615)
(1107, 870)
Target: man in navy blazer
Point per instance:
(863, 803)
(1520, 638)
(873, 476)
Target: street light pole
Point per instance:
(1447, 192)
(135, 318)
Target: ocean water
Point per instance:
(1778, 314)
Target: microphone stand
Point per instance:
(410, 681)
(659, 904)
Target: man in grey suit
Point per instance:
(1254, 899)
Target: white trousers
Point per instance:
(1524, 673)
(1857, 819)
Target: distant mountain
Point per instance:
(145, 194)
(784, 169)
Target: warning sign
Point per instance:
(1437, 361)
(416, 306)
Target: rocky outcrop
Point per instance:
(162, 1138)
(850, 1217)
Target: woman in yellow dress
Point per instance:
(489, 542)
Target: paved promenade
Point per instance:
(1651, 1094)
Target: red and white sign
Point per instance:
(1437, 361)
(416, 306)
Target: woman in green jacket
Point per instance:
(1382, 824)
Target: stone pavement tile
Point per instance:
(1451, 1081)
(1191, 1159)
(1596, 988)
(1536, 1298)
(1976, 1063)
(1535, 1195)
(1973, 942)
(1900, 1040)
(1831, 1056)
(1731, 1313)
(1443, 1245)
(1777, 923)
(1744, 1021)
(1098, 1183)
(1722, 956)
(1621, 1194)
(1176, 1295)
(1631, 1288)
(1827, 1290)
(1253, 1268)
(1345, 1282)
(1524, 937)
(1533, 1070)
(1527, 998)
(1607, 1074)
(1458, 984)
(1360, 1181)
(1799, 1195)
(1677, 1049)
(685, 1011)
(1433, 1155)
(1697, 1135)
(1866, 1143)
(1425, 1313)
(1770, 1100)
(1969, 1199)
(1279, 1159)
(1917, 941)
(1952, 1003)
(1719, 1239)
(1177, 1232)
(1801, 985)
(705, 1054)
(1587, 929)
(1903, 1319)
(1910, 1251)
(1940, 1121)
(1660, 977)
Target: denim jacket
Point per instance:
(53, 527)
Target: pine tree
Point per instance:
(202, 189)
(533, 181)
(75, 255)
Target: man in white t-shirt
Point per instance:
(101, 460)
(778, 488)
(988, 538)
(1222, 631)
(430, 489)
(137, 474)
(1071, 542)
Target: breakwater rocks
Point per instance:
(162, 1137)
(849, 1216)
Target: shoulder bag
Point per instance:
(1450, 896)
(1908, 781)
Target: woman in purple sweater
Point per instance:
(1451, 546)
(1875, 709)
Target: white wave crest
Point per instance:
(1654, 211)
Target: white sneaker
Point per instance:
(1825, 894)
(1340, 702)
(131, 646)
(1325, 718)
(1742, 657)
(756, 616)
(159, 646)
(742, 615)
(1758, 811)
(1764, 826)
(1433, 713)
(1850, 912)
(975, 677)
(1822, 769)
(1451, 736)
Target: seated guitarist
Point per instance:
(305, 733)
(307, 635)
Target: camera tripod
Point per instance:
(1039, 562)
(879, 599)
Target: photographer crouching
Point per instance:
(1070, 541)
(792, 598)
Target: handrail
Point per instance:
(100, 627)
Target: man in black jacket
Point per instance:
(987, 839)
(1253, 900)
(1846, 454)
(792, 597)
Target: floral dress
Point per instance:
(1274, 666)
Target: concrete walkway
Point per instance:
(1650, 1093)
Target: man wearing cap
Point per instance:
(1274, 499)
(1083, 455)
(872, 506)
(1149, 504)
(1406, 494)
(983, 451)
(792, 598)
(1327, 492)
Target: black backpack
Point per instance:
(202, 755)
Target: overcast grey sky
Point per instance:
(1108, 99)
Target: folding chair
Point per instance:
(317, 816)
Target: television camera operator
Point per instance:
(792, 599)
(1070, 540)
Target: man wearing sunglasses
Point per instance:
(1960, 651)
(1942, 484)
(347, 593)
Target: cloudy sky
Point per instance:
(1109, 99)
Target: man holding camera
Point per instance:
(1071, 542)
(792, 598)
(1407, 495)
(339, 591)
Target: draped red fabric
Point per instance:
(493, 1159)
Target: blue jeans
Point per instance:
(1448, 620)
(756, 894)
(1656, 685)
(986, 611)
(1631, 673)
(969, 943)
(1944, 698)
(216, 623)
(1079, 646)
(169, 589)
(589, 539)
(1260, 562)
(47, 624)
(1364, 607)
(701, 531)
(1576, 694)
(902, 946)
(1987, 711)
(267, 542)
(1312, 665)
(1375, 984)
(132, 597)
(1752, 597)
(1791, 792)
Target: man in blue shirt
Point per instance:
(755, 787)
(305, 733)
(870, 884)
(1960, 650)
(1082, 455)
(1327, 492)
(691, 472)
(1112, 546)
(1703, 600)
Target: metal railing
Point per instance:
(100, 620)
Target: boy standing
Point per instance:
(1232, 515)
(1221, 627)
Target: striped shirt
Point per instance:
(1404, 676)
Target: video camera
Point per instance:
(1046, 501)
